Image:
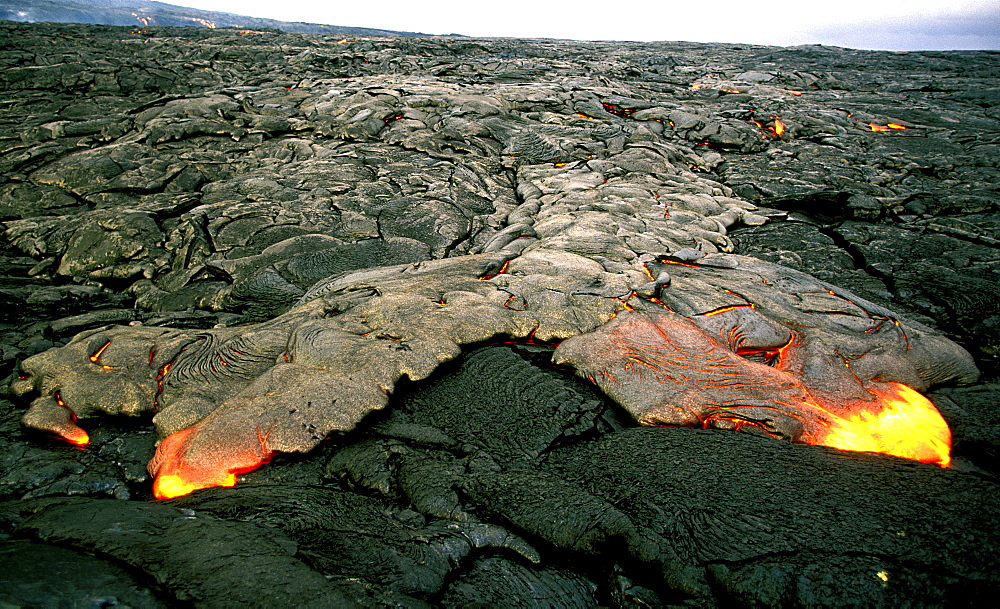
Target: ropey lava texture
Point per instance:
(229, 399)
(357, 257)
(824, 357)
(418, 216)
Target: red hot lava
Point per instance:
(667, 370)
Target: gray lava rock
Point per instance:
(289, 233)
(801, 525)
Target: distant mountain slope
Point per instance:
(142, 13)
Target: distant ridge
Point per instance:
(144, 14)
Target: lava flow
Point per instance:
(689, 377)
(902, 423)
(774, 130)
(180, 468)
(71, 432)
(886, 127)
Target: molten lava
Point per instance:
(205, 22)
(170, 486)
(180, 467)
(901, 423)
(77, 437)
(775, 129)
(886, 127)
(503, 269)
(147, 21)
(723, 370)
(70, 431)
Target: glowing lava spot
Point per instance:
(77, 436)
(177, 475)
(887, 127)
(71, 432)
(170, 486)
(902, 423)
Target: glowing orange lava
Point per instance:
(503, 269)
(205, 22)
(179, 470)
(677, 262)
(147, 21)
(170, 486)
(723, 310)
(886, 127)
(77, 436)
(68, 429)
(97, 355)
(902, 423)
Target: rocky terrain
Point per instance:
(447, 310)
(161, 14)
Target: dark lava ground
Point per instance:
(195, 179)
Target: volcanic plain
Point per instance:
(307, 319)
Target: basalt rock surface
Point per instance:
(359, 258)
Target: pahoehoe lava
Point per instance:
(434, 284)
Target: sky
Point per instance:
(895, 25)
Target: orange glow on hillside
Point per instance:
(205, 22)
(902, 423)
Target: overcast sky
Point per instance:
(869, 24)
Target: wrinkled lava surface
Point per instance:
(355, 258)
